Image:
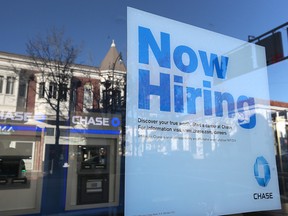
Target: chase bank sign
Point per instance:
(96, 121)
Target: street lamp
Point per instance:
(112, 93)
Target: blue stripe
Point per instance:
(79, 131)
(93, 131)
(20, 128)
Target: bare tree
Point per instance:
(53, 57)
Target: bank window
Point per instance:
(10, 85)
(1, 83)
(41, 90)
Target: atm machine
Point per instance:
(93, 174)
(13, 172)
(93, 179)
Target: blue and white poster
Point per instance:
(198, 138)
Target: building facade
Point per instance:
(86, 158)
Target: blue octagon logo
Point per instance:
(262, 171)
(115, 122)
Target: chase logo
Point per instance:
(262, 171)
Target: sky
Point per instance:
(93, 24)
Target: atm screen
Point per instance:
(11, 166)
(93, 157)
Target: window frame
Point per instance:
(52, 90)
(41, 90)
(87, 96)
(1, 84)
(10, 85)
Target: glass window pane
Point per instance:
(88, 97)
(174, 108)
(1, 83)
(10, 85)
(41, 89)
(52, 90)
(22, 89)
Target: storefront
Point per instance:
(82, 172)
(21, 173)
